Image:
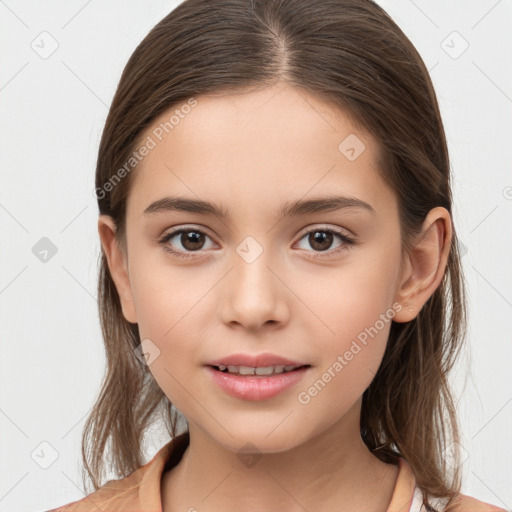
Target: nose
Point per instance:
(254, 293)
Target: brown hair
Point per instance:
(353, 55)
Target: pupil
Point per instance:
(191, 239)
(319, 238)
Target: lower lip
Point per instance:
(253, 387)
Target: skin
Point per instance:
(252, 151)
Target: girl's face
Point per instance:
(254, 282)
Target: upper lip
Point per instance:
(254, 361)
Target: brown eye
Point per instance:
(192, 240)
(184, 242)
(321, 240)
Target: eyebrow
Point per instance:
(289, 209)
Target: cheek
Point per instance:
(354, 311)
(348, 299)
(170, 305)
(350, 356)
(167, 295)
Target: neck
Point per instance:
(333, 470)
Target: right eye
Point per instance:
(191, 240)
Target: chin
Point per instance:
(259, 441)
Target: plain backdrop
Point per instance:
(53, 107)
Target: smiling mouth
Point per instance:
(261, 371)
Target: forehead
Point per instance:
(257, 147)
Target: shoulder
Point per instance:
(116, 493)
(465, 503)
(406, 486)
(461, 503)
(139, 491)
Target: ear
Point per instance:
(118, 266)
(424, 265)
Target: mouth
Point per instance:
(259, 371)
(256, 383)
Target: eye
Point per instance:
(191, 240)
(322, 238)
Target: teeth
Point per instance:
(262, 370)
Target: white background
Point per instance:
(52, 115)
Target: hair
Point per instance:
(351, 54)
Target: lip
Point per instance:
(251, 387)
(254, 361)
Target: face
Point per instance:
(315, 287)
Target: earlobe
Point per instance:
(425, 264)
(117, 265)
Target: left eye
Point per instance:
(322, 238)
(192, 240)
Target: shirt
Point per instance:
(140, 491)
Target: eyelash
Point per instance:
(347, 241)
